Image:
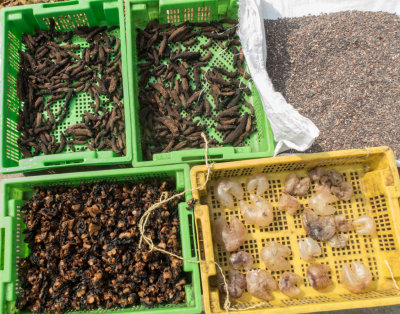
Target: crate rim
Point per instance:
(366, 152)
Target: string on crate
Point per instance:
(391, 274)
(165, 199)
(368, 153)
(228, 29)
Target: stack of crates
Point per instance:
(372, 173)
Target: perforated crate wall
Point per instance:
(376, 191)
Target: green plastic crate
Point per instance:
(68, 15)
(15, 192)
(138, 14)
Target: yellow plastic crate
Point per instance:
(376, 184)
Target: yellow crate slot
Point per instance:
(376, 191)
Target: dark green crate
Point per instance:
(15, 192)
(138, 14)
(14, 22)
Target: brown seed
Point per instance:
(354, 103)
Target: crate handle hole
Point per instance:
(2, 247)
(201, 158)
(191, 230)
(63, 162)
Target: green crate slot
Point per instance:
(67, 15)
(138, 14)
(15, 193)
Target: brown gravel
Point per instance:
(342, 71)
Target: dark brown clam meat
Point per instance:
(84, 250)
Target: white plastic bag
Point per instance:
(291, 130)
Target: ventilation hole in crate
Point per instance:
(231, 173)
(222, 257)
(173, 16)
(247, 171)
(355, 246)
(188, 14)
(306, 300)
(68, 22)
(13, 133)
(378, 203)
(203, 13)
(368, 245)
(289, 302)
(298, 222)
(245, 142)
(361, 296)
(373, 266)
(13, 47)
(380, 213)
(351, 210)
(12, 151)
(230, 213)
(284, 167)
(274, 191)
(11, 139)
(250, 246)
(389, 293)
(216, 174)
(354, 179)
(215, 204)
(13, 102)
(386, 242)
(242, 306)
(201, 240)
(279, 223)
(383, 222)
